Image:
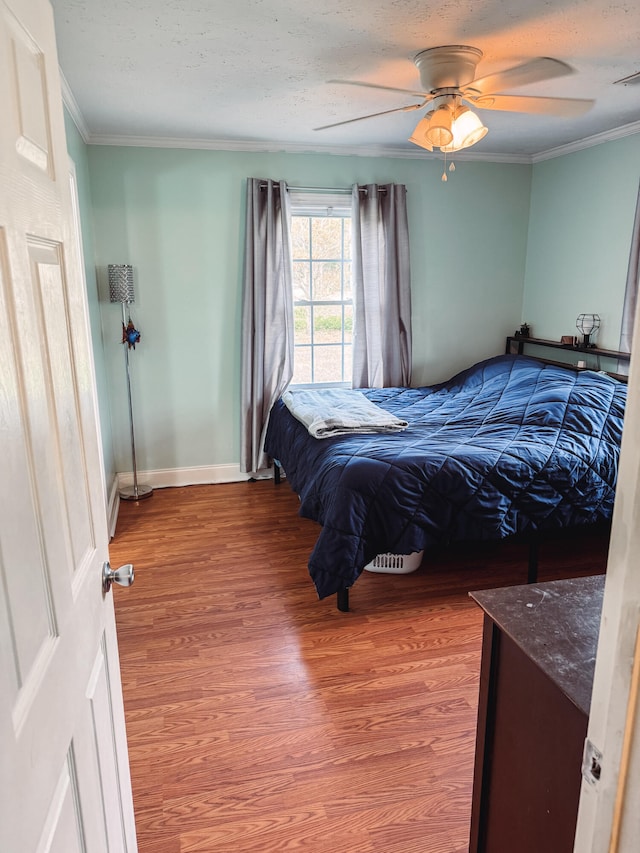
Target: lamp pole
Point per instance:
(121, 290)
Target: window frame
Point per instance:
(318, 205)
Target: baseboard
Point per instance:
(202, 475)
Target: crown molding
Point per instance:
(263, 147)
(73, 109)
(296, 148)
(588, 142)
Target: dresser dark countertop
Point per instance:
(556, 624)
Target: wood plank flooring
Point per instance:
(260, 719)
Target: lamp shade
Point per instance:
(467, 129)
(588, 323)
(418, 137)
(439, 130)
(121, 283)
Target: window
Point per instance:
(322, 297)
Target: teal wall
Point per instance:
(582, 210)
(78, 153)
(178, 217)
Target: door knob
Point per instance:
(123, 576)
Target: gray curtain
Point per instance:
(267, 315)
(381, 287)
(631, 292)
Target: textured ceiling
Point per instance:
(254, 73)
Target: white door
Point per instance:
(64, 775)
(609, 817)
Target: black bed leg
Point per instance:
(532, 571)
(343, 600)
(276, 472)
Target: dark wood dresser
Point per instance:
(538, 659)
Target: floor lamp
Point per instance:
(121, 290)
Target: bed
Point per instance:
(511, 445)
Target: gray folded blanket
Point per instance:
(328, 412)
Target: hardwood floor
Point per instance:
(260, 719)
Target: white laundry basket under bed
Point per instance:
(395, 564)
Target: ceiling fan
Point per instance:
(448, 81)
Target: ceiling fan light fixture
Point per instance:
(439, 132)
(467, 129)
(418, 137)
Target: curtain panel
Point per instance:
(381, 286)
(267, 315)
(633, 283)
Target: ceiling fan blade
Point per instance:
(564, 107)
(373, 115)
(542, 68)
(384, 88)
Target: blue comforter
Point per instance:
(509, 445)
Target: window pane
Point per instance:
(327, 364)
(301, 286)
(326, 237)
(327, 281)
(301, 366)
(327, 324)
(302, 324)
(347, 238)
(300, 236)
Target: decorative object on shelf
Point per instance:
(588, 324)
(523, 332)
(569, 340)
(121, 290)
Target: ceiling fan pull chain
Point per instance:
(444, 172)
(452, 166)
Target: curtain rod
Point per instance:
(334, 190)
